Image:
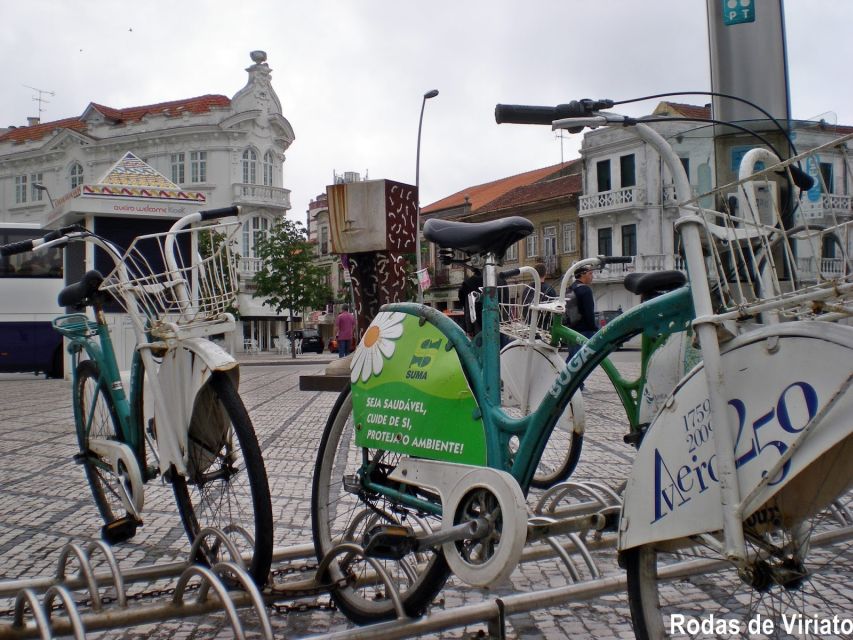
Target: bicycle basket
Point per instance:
(516, 312)
(159, 280)
(771, 248)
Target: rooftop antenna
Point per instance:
(40, 97)
(559, 134)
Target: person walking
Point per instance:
(344, 325)
(585, 325)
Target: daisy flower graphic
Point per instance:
(378, 342)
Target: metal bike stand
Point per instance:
(35, 600)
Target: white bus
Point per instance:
(29, 286)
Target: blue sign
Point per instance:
(737, 155)
(738, 11)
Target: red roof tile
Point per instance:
(38, 131)
(666, 108)
(536, 192)
(200, 104)
(481, 195)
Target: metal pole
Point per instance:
(429, 94)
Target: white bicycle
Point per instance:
(735, 515)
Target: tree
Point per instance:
(288, 279)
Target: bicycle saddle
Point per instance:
(650, 285)
(79, 294)
(495, 236)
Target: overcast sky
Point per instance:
(351, 74)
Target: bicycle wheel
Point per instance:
(226, 484)
(342, 512)
(796, 574)
(526, 374)
(96, 418)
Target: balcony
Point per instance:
(646, 263)
(250, 266)
(829, 204)
(613, 200)
(830, 268)
(260, 195)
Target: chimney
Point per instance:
(33, 121)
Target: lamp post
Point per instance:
(429, 94)
(40, 187)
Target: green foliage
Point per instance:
(289, 280)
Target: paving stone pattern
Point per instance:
(45, 503)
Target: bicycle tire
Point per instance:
(220, 492)
(813, 580)
(563, 449)
(338, 515)
(90, 396)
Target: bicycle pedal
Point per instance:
(389, 541)
(120, 530)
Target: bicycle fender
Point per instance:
(124, 465)
(181, 375)
(787, 387)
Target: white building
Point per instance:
(228, 150)
(628, 206)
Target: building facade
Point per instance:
(548, 197)
(227, 150)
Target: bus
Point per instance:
(29, 286)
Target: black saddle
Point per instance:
(83, 293)
(651, 285)
(495, 236)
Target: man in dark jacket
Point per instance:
(586, 302)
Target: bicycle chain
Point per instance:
(268, 593)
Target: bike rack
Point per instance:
(106, 603)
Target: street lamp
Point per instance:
(40, 187)
(429, 94)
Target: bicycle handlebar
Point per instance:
(14, 248)
(527, 114)
(224, 212)
(24, 246)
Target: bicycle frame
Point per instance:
(480, 362)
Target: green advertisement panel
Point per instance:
(410, 395)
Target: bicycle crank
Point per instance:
(487, 497)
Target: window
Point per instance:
(629, 240)
(324, 240)
(532, 245)
(549, 240)
(605, 242)
(253, 230)
(75, 175)
(268, 166)
(627, 171)
(602, 170)
(198, 166)
(685, 162)
(20, 189)
(826, 177)
(570, 237)
(36, 195)
(250, 167)
(178, 172)
(512, 253)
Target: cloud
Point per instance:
(351, 76)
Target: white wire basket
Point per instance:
(178, 280)
(770, 253)
(518, 319)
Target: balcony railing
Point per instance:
(829, 204)
(262, 195)
(250, 266)
(830, 268)
(552, 265)
(611, 200)
(646, 263)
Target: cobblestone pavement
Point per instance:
(45, 503)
